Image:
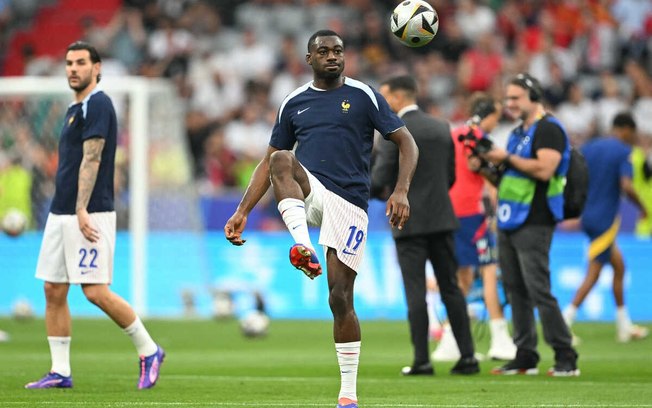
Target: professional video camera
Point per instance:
(482, 107)
(476, 145)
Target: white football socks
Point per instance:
(622, 318)
(141, 338)
(293, 212)
(348, 356)
(60, 353)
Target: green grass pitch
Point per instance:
(210, 364)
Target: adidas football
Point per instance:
(14, 222)
(254, 324)
(414, 23)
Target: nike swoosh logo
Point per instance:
(86, 272)
(344, 251)
(300, 111)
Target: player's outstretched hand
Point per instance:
(234, 227)
(398, 209)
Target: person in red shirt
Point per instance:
(474, 241)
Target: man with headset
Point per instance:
(530, 202)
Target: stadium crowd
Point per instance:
(234, 61)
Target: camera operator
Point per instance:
(530, 203)
(475, 247)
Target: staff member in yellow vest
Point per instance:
(642, 181)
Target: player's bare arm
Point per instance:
(398, 206)
(87, 175)
(258, 186)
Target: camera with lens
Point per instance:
(482, 106)
(476, 145)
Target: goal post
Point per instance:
(151, 135)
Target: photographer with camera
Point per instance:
(530, 203)
(475, 247)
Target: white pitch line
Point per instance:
(292, 404)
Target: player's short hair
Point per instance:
(94, 55)
(624, 120)
(83, 45)
(404, 83)
(322, 33)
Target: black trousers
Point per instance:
(525, 263)
(439, 248)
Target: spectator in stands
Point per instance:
(632, 15)
(170, 48)
(550, 54)
(609, 102)
(610, 173)
(248, 134)
(36, 65)
(125, 37)
(557, 88)
(453, 44)
(475, 19)
(218, 162)
(597, 45)
(642, 101)
(480, 65)
(577, 114)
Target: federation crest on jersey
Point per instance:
(345, 106)
(71, 119)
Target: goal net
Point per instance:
(154, 188)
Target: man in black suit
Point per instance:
(428, 235)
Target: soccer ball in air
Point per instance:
(414, 22)
(14, 222)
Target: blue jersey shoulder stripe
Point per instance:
(294, 93)
(364, 87)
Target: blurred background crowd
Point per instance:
(234, 61)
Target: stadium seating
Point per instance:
(54, 27)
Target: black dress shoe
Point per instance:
(466, 366)
(421, 369)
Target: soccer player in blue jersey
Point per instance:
(610, 173)
(318, 163)
(79, 237)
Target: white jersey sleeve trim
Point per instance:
(294, 93)
(364, 87)
(85, 101)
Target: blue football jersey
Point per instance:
(91, 118)
(333, 131)
(608, 159)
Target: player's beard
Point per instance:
(82, 84)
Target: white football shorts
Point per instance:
(66, 256)
(343, 225)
